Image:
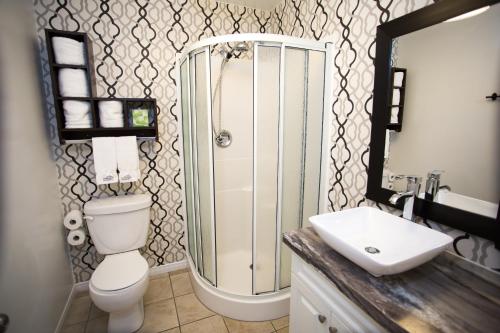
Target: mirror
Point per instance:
(443, 75)
(431, 114)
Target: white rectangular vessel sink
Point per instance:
(379, 242)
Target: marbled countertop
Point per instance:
(447, 294)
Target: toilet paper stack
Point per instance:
(73, 221)
(110, 113)
(77, 114)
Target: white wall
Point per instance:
(448, 124)
(35, 275)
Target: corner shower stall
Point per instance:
(253, 136)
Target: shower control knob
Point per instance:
(321, 318)
(332, 330)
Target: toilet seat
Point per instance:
(119, 271)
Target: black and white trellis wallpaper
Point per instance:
(134, 47)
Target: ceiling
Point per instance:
(259, 4)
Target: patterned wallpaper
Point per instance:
(134, 47)
(351, 26)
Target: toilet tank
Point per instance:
(118, 224)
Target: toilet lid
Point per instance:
(118, 271)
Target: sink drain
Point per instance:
(372, 250)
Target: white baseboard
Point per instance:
(60, 323)
(81, 287)
(174, 266)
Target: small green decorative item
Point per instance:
(140, 117)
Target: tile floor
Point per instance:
(170, 307)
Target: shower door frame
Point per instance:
(282, 42)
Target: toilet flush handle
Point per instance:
(88, 218)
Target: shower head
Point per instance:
(241, 47)
(238, 48)
(225, 53)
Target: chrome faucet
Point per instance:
(432, 184)
(412, 190)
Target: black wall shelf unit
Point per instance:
(398, 126)
(96, 130)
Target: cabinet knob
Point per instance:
(321, 318)
(332, 330)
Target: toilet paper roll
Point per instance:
(73, 220)
(76, 237)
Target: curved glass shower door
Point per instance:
(242, 195)
(199, 177)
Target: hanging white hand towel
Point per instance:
(127, 156)
(105, 163)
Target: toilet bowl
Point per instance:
(118, 227)
(117, 286)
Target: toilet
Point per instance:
(118, 227)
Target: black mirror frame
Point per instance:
(479, 225)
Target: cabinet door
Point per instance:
(308, 313)
(335, 325)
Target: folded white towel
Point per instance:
(111, 113)
(73, 83)
(73, 119)
(68, 51)
(387, 143)
(398, 79)
(394, 115)
(77, 114)
(112, 122)
(127, 156)
(76, 108)
(78, 125)
(395, 97)
(111, 125)
(105, 163)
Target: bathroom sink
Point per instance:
(463, 202)
(379, 242)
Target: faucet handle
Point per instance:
(435, 174)
(410, 178)
(412, 182)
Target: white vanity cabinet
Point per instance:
(317, 306)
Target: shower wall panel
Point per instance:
(233, 175)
